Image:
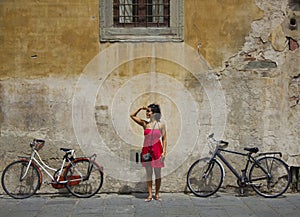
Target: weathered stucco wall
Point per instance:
(236, 73)
(219, 27)
(43, 38)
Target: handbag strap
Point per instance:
(151, 140)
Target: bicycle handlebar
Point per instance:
(211, 136)
(217, 142)
(224, 142)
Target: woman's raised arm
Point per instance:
(138, 120)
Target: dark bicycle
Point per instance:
(266, 173)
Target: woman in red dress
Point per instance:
(155, 142)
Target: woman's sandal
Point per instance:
(158, 198)
(148, 199)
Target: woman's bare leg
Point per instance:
(149, 181)
(157, 172)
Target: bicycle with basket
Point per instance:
(82, 176)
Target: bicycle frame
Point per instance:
(250, 159)
(231, 168)
(42, 165)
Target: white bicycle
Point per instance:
(82, 176)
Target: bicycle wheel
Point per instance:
(85, 178)
(18, 185)
(271, 178)
(205, 178)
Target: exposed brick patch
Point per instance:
(293, 45)
(250, 59)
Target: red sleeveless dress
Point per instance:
(157, 149)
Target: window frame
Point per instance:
(110, 33)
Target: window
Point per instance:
(145, 13)
(141, 20)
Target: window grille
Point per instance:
(141, 13)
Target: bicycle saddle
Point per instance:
(65, 149)
(252, 150)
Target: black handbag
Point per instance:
(147, 157)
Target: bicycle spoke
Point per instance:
(271, 178)
(204, 179)
(84, 178)
(19, 184)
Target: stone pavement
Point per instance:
(173, 204)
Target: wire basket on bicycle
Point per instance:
(37, 144)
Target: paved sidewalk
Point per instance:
(172, 204)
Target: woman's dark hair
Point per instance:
(156, 111)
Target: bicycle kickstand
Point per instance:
(242, 191)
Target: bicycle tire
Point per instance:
(12, 183)
(205, 178)
(270, 186)
(82, 183)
